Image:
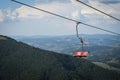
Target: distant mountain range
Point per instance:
(68, 44)
(102, 47)
(19, 61)
(96, 44)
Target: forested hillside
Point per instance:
(103, 48)
(19, 61)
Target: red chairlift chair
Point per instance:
(82, 53)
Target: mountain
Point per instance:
(103, 48)
(19, 61)
(69, 44)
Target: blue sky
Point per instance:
(16, 19)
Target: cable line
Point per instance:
(65, 17)
(98, 10)
(100, 28)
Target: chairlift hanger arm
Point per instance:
(77, 33)
(80, 38)
(65, 17)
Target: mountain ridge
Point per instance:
(103, 48)
(19, 61)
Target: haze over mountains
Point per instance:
(19, 61)
(102, 47)
(66, 43)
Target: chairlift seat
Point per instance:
(81, 54)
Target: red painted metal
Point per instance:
(81, 54)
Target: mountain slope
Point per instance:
(103, 48)
(19, 61)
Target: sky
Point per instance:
(16, 19)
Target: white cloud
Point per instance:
(76, 15)
(112, 9)
(7, 15)
(65, 9)
(108, 1)
(74, 2)
(1, 16)
(10, 14)
(27, 13)
(73, 10)
(37, 22)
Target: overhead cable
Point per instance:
(65, 17)
(99, 10)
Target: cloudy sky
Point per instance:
(16, 19)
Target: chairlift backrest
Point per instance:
(81, 54)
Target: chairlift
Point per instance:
(83, 52)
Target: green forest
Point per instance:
(19, 61)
